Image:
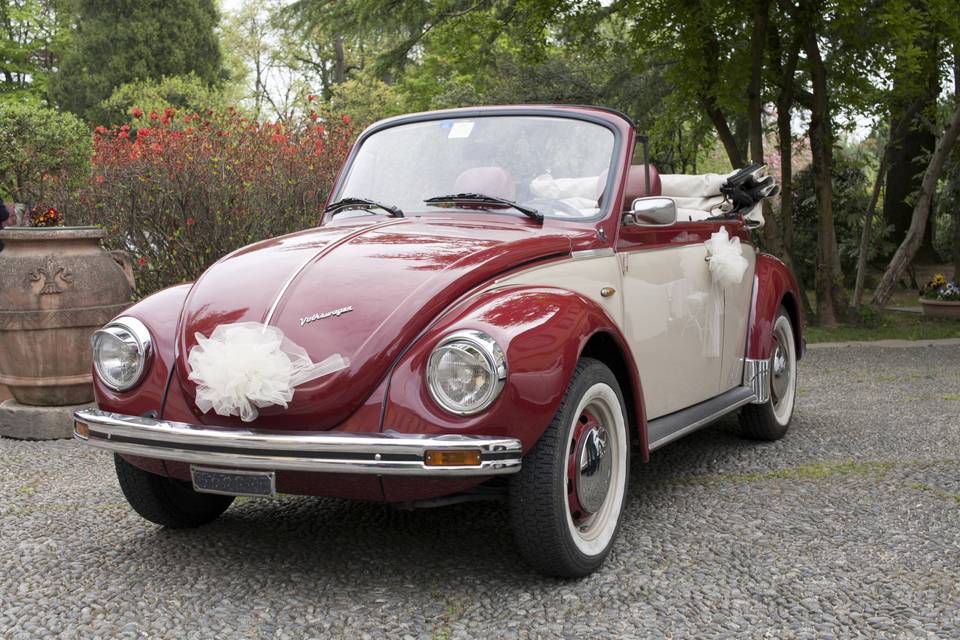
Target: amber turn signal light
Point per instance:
(464, 458)
(82, 429)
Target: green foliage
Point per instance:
(366, 99)
(947, 213)
(851, 196)
(42, 147)
(185, 93)
(32, 33)
(122, 41)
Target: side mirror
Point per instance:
(654, 212)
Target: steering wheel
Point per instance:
(557, 205)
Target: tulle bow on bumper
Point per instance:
(246, 366)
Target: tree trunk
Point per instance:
(867, 236)
(831, 296)
(956, 202)
(921, 211)
(772, 231)
(726, 136)
(914, 97)
(339, 59)
(956, 244)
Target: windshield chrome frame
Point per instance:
(489, 112)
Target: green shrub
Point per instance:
(851, 196)
(185, 93)
(42, 148)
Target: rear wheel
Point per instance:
(165, 501)
(567, 501)
(770, 421)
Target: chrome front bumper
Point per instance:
(387, 453)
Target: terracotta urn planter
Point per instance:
(58, 287)
(941, 308)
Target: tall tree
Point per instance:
(913, 106)
(121, 41)
(921, 211)
(32, 33)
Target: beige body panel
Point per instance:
(736, 319)
(687, 349)
(674, 324)
(587, 273)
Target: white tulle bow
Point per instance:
(246, 366)
(727, 264)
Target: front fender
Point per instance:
(160, 312)
(543, 332)
(774, 286)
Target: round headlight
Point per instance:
(120, 352)
(466, 373)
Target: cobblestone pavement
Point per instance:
(849, 526)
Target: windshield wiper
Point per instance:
(362, 203)
(482, 199)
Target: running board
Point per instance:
(666, 429)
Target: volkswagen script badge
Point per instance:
(326, 314)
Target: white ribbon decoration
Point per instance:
(725, 255)
(246, 366)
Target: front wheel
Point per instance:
(770, 421)
(568, 498)
(165, 501)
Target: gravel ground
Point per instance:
(850, 526)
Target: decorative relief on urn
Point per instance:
(53, 275)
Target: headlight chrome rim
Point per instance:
(140, 336)
(491, 352)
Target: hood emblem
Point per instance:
(326, 314)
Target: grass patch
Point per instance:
(940, 493)
(29, 488)
(811, 471)
(890, 325)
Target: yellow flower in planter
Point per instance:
(938, 280)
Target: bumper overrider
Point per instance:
(388, 453)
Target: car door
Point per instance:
(673, 313)
(737, 302)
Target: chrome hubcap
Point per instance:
(590, 468)
(593, 469)
(781, 373)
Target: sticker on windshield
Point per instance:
(460, 130)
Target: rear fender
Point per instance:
(774, 286)
(543, 332)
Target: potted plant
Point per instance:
(941, 299)
(59, 284)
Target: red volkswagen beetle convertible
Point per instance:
(498, 301)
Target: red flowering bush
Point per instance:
(182, 190)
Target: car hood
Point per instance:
(363, 291)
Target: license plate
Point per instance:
(234, 483)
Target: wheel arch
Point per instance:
(606, 348)
(544, 331)
(774, 286)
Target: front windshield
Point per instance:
(557, 166)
